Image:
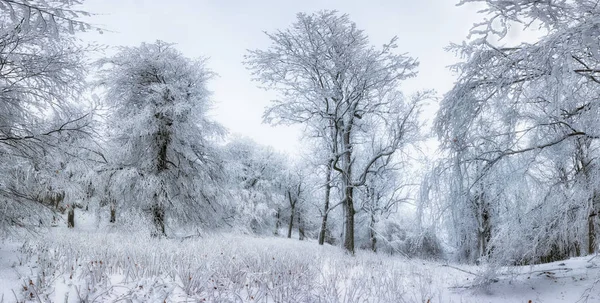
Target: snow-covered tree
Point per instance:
(330, 78)
(378, 198)
(256, 176)
(525, 114)
(162, 141)
(42, 77)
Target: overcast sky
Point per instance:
(223, 30)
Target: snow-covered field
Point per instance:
(87, 265)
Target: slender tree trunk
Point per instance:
(592, 222)
(293, 206)
(323, 231)
(349, 233)
(113, 212)
(484, 234)
(277, 221)
(592, 243)
(348, 192)
(301, 235)
(372, 234)
(71, 216)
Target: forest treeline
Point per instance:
(129, 137)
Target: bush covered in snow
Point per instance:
(397, 239)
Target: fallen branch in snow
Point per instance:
(463, 286)
(460, 269)
(585, 296)
(548, 271)
(198, 235)
(545, 271)
(494, 280)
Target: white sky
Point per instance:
(223, 31)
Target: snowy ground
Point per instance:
(87, 265)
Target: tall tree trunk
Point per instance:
(591, 234)
(348, 192)
(163, 139)
(323, 231)
(293, 206)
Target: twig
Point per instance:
(592, 258)
(460, 269)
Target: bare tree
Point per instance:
(329, 77)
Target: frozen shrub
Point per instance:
(424, 245)
(409, 243)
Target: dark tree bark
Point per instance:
(349, 222)
(158, 215)
(372, 234)
(592, 243)
(277, 221)
(113, 213)
(323, 231)
(71, 216)
(348, 191)
(292, 212)
(301, 235)
(484, 230)
(163, 139)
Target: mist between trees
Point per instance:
(515, 179)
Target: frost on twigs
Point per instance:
(43, 122)
(163, 158)
(518, 180)
(51, 17)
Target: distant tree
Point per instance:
(294, 185)
(380, 197)
(256, 177)
(162, 140)
(330, 78)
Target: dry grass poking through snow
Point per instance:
(79, 266)
(90, 266)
